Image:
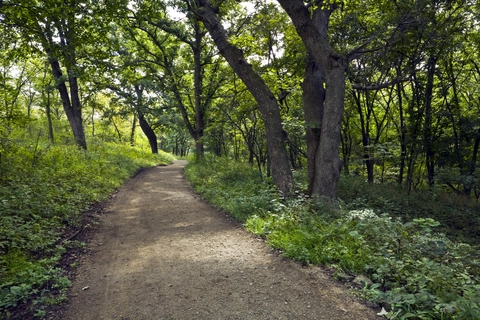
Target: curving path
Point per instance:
(161, 252)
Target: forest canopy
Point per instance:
(389, 93)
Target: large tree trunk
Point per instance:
(313, 104)
(312, 29)
(327, 161)
(266, 100)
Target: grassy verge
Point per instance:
(406, 266)
(44, 189)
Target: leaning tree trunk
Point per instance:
(266, 100)
(149, 133)
(146, 128)
(72, 110)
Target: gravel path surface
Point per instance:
(161, 252)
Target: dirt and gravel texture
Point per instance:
(161, 252)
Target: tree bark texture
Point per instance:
(313, 104)
(73, 111)
(327, 161)
(427, 132)
(198, 89)
(146, 128)
(149, 133)
(312, 29)
(266, 100)
(70, 101)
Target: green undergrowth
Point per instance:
(404, 265)
(44, 189)
(459, 216)
(236, 188)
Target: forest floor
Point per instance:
(161, 252)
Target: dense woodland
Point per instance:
(312, 95)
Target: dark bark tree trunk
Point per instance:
(202, 94)
(149, 133)
(402, 132)
(467, 190)
(132, 131)
(266, 100)
(415, 115)
(70, 101)
(198, 90)
(312, 29)
(368, 156)
(46, 100)
(313, 104)
(48, 113)
(72, 110)
(427, 132)
(146, 128)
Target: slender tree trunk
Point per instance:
(365, 131)
(93, 121)
(467, 190)
(427, 132)
(117, 131)
(132, 131)
(48, 113)
(198, 89)
(265, 98)
(402, 133)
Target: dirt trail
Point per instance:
(163, 253)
